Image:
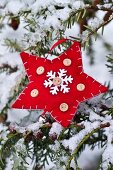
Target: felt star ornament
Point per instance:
(58, 85)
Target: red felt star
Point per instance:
(57, 86)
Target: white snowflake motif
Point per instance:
(58, 81)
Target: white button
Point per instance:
(57, 81)
(64, 107)
(67, 62)
(34, 93)
(80, 87)
(40, 70)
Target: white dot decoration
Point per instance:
(67, 62)
(40, 70)
(34, 93)
(80, 87)
(64, 107)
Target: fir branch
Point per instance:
(83, 141)
(8, 68)
(73, 125)
(13, 45)
(110, 63)
(17, 90)
(7, 148)
(94, 31)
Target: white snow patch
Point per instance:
(56, 128)
(14, 9)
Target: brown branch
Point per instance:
(104, 125)
(96, 2)
(107, 15)
(99, 8)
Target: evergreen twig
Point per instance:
(86, 137)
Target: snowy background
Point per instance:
(8, 82)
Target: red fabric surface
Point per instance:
(45, 100)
